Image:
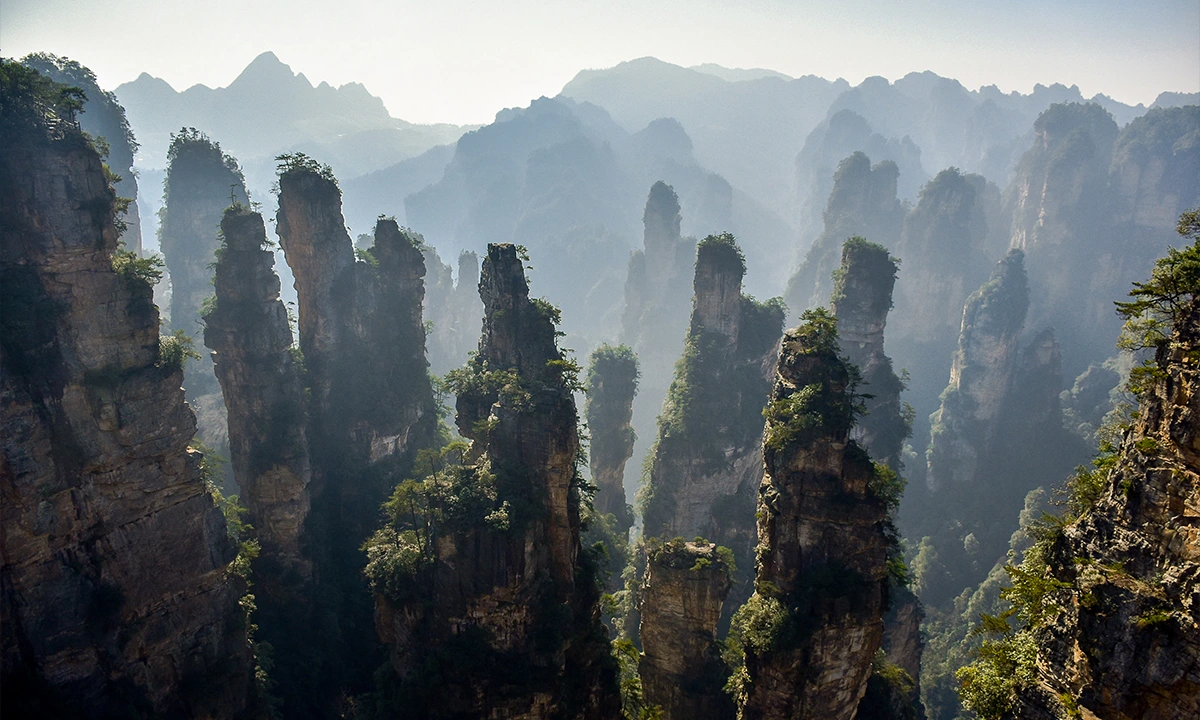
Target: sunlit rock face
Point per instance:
(1125, 641)
(813, 626)
(965, 426)
(117, 596)
(251, 342)
(707, 460)
(504, 612)
(681, 601)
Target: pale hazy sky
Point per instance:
(461, 61)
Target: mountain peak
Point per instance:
(266, 68)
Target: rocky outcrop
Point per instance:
(495, 613)
(812, 628)
(612, 380)
(1117, 635)
(964, 428)
(863, 202)
(201, 182)
(103, 118)
(707, 461)
(682, 595)
(862, 297)
(251, 342)
(117, 596)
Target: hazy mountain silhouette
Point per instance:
(268, 110)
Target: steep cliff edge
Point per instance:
(1106, 619)
(117, 594)
(612, 380)
(812, 628)
(862, 297)
(483, 592)
(707, 459)
(682, 596)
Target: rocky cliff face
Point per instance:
(248, 333)
(964, 428)
(863, 202)
(103, 117)
(117, 595)
(707, 459)
(681, 600)
(612, 380)
(812, 628)
(495, 613)
(862, 297)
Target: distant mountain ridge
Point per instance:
(268, 109)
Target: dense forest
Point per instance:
(687, 393)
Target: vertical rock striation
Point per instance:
(862, 297)
(484, 594)
(682, 596)
(812, 628)
(707, 461)
(117, 597)
(251, 342)
(612, 380)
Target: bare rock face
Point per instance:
(862, 297)
(813, 626)
(612, 381)
(453, 308)
(251, 341)
(117, 596)
(496, 614)
(318, 249)
(707, 461)
(964, 428)
(682, 595)
(1125, 640)
(863, 202)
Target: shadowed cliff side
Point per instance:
(483, 593)
(372, 407)
(262, 382)
(118, 597)
(810, 632)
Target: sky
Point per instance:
(460, 61)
